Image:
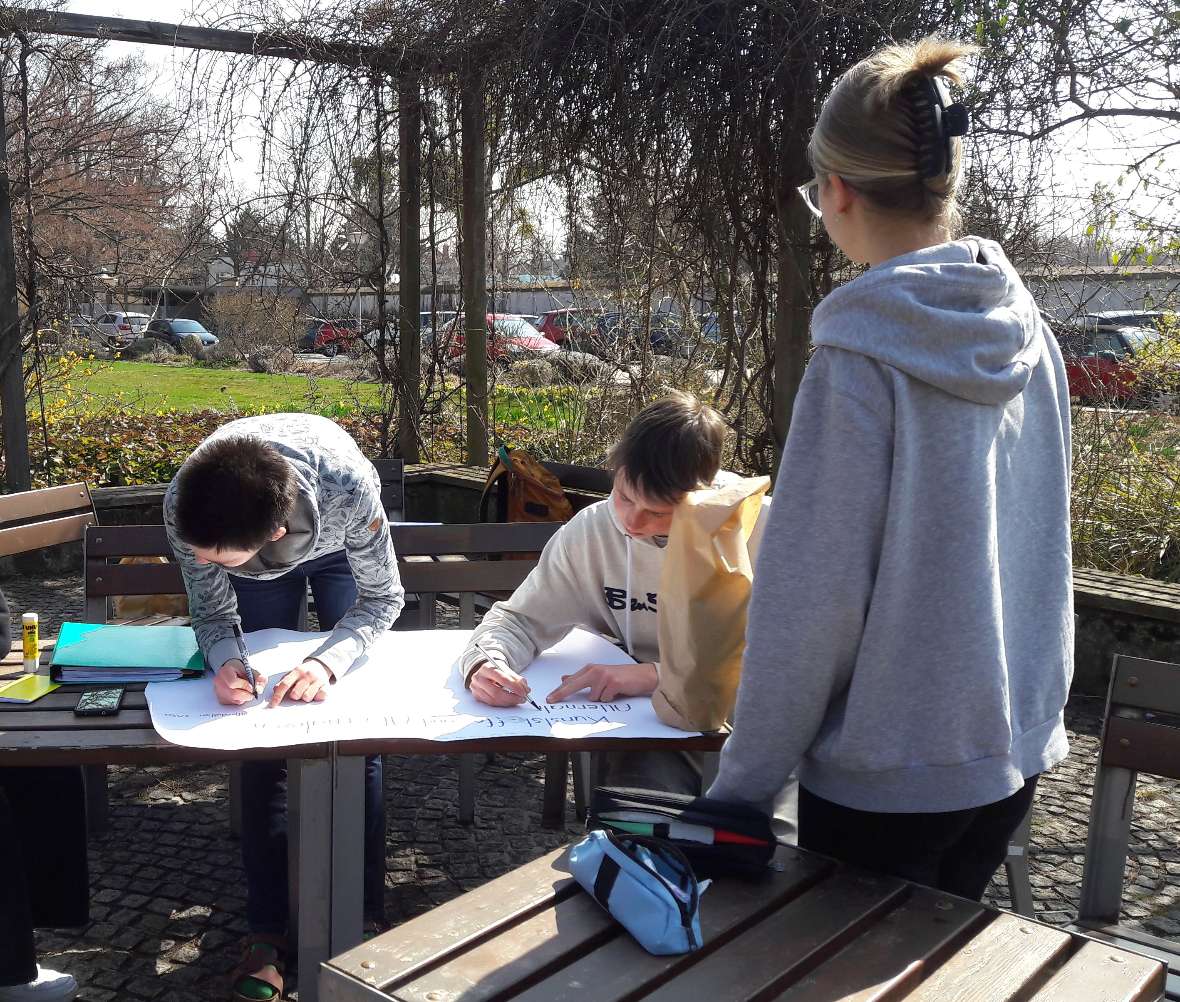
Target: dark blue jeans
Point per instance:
(276, 604)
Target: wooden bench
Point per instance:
(33, 520)
(813, 930)
(1140, 734)
(1126, 593)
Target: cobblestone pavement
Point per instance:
(167, 888)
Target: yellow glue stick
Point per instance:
(30, 633)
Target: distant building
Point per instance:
(1071, 291)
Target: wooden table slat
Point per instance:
(462, 923)
(614, 969)
(894, 954)
(62, 700)
(1097, 973)
(30, 718)
(519, 955)
(769, 955)
(1010, 956)
(131, 746)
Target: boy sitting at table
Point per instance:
(601, 571)
(263, 507)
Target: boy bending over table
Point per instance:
(264, 506)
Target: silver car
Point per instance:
(120, 324)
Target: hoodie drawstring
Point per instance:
(627, 629)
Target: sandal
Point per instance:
(259, 975)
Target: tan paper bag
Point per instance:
(704, 592)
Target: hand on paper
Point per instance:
(307, 683)
(230, 685)
(607, 682)
(498, 685)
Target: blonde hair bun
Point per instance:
(867, 134)
(888, 70)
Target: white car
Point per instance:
(120, 324)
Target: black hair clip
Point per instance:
(937, 123)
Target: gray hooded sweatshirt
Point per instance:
(910, 635)
(337, 507)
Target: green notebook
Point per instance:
(93, 652)
(26, 689)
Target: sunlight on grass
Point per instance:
(148, 386)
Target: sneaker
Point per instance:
(48, 986)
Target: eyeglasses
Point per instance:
(809, 192)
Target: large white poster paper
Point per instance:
(405, 687)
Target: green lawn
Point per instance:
(147, 386)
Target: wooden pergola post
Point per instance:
(409, 139)
(18, 473)
(473, 121)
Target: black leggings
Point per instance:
(954, 851)
(43, 847)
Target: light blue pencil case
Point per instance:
(646, 884)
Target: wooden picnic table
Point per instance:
(814, 931)
(325, 885)
(325, 789)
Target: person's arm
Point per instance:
(213, 607)
(379, 592)
(815, 574)
(538, 614)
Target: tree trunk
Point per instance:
(475, 295)
(18, 474)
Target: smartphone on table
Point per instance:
(99, 702)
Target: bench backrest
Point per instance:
(31, 520)
(106, 578)
(393, 487)
(1139, 734)
(581, 478)
(432, 559)
(466, 560)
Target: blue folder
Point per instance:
(94, 652)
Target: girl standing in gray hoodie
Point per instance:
(910, 635)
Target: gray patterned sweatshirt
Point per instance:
(338, 508)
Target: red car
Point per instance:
(510, 337)
(328, 337)
(558, 325)
(1099, 364)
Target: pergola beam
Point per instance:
(409, 163)
(279, 44)
(395, 61)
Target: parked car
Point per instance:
(559, 325)
(174, 331)
(328, 337)
(1110, 319)
(1099, 363)
(618, 336)
(82, 324)
(511, 338)
(120, 324)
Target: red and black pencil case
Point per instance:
(718, 838)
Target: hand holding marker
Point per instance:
(250, 676)
(503, 688)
